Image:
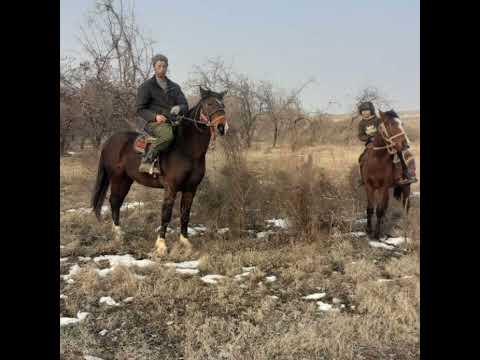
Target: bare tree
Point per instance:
(119, 54)
(282, 111)
(243, 105)
(372, 94)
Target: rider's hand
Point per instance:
(370, 145)
(160, 119)
(370, 130)
(175, 110)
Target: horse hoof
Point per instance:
(160, 247)
(185, 242)
(118, 234)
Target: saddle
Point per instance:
(141, 143)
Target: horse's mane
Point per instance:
(392, 114)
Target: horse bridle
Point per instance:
(206, 119)
(390, 146)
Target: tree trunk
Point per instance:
(275, 135)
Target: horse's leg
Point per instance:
(118, 191)
(167, 206)
(381, 210)
(370, 206)
(185, 206)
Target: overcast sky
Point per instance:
(346, 45)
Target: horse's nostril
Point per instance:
(221, 129)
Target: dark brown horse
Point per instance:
(183, 166)
(379, 173)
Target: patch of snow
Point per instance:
(169, 323)
(201, 228)
(377, 244)
(274, 297)
(248, 268)
(336, 301)
(73, 270)
(104, 272)
(128, 299)
(241, 276)
(192, 231)
(125, 260)
(212, 279)
(71, 153)
(108, 301)
(187, 271)
(132, 205)
(357, 234)
(139, 277)
(193, 264)
(223, 230)
(397, 240)
(263, 234)
(63, 296)
(384, 280)
(324, 306)
(103, 332)
(86, 258)
(360, 221)
(70, 281)
(281, 223)
(64, 321)
(315, 296)
(63, 259)
(270, 279)
(342, 306)
(106, 208)
(62, 247)
(89, 357)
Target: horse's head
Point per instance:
(212, 110)
(391, 130)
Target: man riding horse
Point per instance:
(159, 102)
(367, 129)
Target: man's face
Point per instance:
(366, 114)
(160, 68)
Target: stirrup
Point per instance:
(407, 181)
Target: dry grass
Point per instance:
(175, 316)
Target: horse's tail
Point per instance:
(100, 190)
(397, 192)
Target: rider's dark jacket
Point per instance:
(153, 100)
(362, 128)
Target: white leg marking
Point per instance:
(185, 242)
(160, 246)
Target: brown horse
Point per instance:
(183, 166)
(379, 171)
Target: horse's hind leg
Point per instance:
(167, 206)
(118, 191)
(185, 206)
(381, 210)
(370, 206)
